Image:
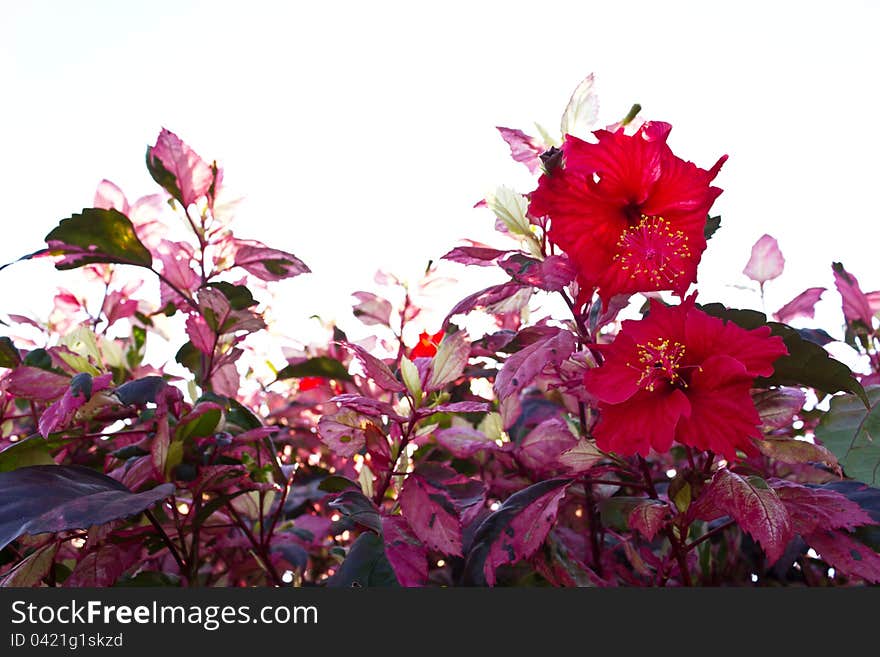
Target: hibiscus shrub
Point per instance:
(639, 436)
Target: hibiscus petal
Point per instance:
(647, 420)
(723, 416)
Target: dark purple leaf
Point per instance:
(104, 566)
(431, 514)
(140, 391)
(31, 570)
(847, 555)
(815, 509)
(365, 565)
(357, 506)
(516, 530)
(406, 554)
(482, 256)
(54, 498)
(551, 274)
(778, 407)
(753, 504)
(524, 366)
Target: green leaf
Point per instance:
(325, 366)
(9, 356)
(615, 511)
(807, 364)
(239, 296)
(203, 424)
(337, 484)
(97, 235)
(33, 450)
(166, 179)
(365, 565)
(39, 358)
(712, 225)
(190, 358)
(852, 434)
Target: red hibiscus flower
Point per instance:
(683, 375)
(427, 345)
(628, 212)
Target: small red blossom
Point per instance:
(307, 383)
(427, 345)
(629, 213)
(681, 375)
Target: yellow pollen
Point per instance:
(652, 249)
(659, 362)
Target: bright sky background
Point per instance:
(362, 133)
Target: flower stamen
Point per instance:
(659, 362)
(651, 248)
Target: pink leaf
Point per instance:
(753, 504)
(117, 305)
(406, 554)
(376, 369)
(803, 305)
(847, 555)
(777, 408)
(766, 262)
(104, 566)
(464, 442)
(35, 383)
(484, 299)
(449, 361)
(367, 406)
(856, 305)
(177, 259)
(226, 380)
(431, 514)
(816, 509)
(580, 458)
(475, 254)
(525, 365)
(517, 529)
(192, 174)
(523, 148)
(109, 197)
(454, 407)
(200, 334)
(371, 309)
(344, 432)
(649, 517)
(551, 274)
(544, 444)
(60, 414)
(266, 263)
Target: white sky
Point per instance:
(362, 133)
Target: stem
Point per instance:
(677, 547)
(705, 537)
(593, 518)
(259, 549)
(167, 539)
